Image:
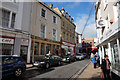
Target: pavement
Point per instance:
(90, 73)
(29, 66)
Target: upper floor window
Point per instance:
(63, 35)
(5, 18)
(54, 35)
(8, 20)
(43, 12)
(13, 20)
(63, 23)
(54, 19)
(42, 35)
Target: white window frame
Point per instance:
(53, 19)
(45, 30)
(45, 13)
(55, 34)
(11, 11)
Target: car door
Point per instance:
(52, 60)
(7, 67)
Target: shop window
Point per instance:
(7, 49)
(115, 55)
(48, 48)
(23, 52)
(36, 46)
(53, 48)
(42, 48)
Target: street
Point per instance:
(65, 71)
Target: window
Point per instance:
(63, 35)
(67, 37)
(36, 46)
(42, 35)
(54, 19)
(48, 48)
(43, 12)
(5, 18)
(63, 23)
(42, 49)
(67, 26)
(53, 48)
(90, 43)
(54, 35)
(70, 38)
(115, 55)
(13, 20)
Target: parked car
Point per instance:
(84, 54)
(12, 65)
(79, 56)
(69, 58)
(48, 61)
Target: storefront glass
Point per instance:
(23, 52)
(36, 46)
(42, 49)
(48, 48)
(53, 48)
(7, 49)
(115, 55)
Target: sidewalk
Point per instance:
(29, 66)
(90, 73)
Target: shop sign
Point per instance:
(6, 40)
(24, 42)
(101, 23)
(68, 44)
(113, 29)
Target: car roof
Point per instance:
(9, 56)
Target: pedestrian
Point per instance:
(97, 57)
(93, 60)
(105, 66)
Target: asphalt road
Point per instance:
(65, 71)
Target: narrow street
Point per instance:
(65, 71)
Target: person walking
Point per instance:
(93, 59)
(105, 66)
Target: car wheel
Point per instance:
(47, 65)
(18, 72)
(59, 63)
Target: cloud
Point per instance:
(90, 29)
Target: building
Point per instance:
(67, 32)
(15, 29)
(108, 31)
(88, 45)
(78, 43)
(46, 29)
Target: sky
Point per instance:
(80, 11)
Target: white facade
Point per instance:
(15, 27)
(108, 32)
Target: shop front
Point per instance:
(42, 47)
(110, 45)
(24, 49)
(7, 44)
(67, 48)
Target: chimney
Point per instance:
(50, 5)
